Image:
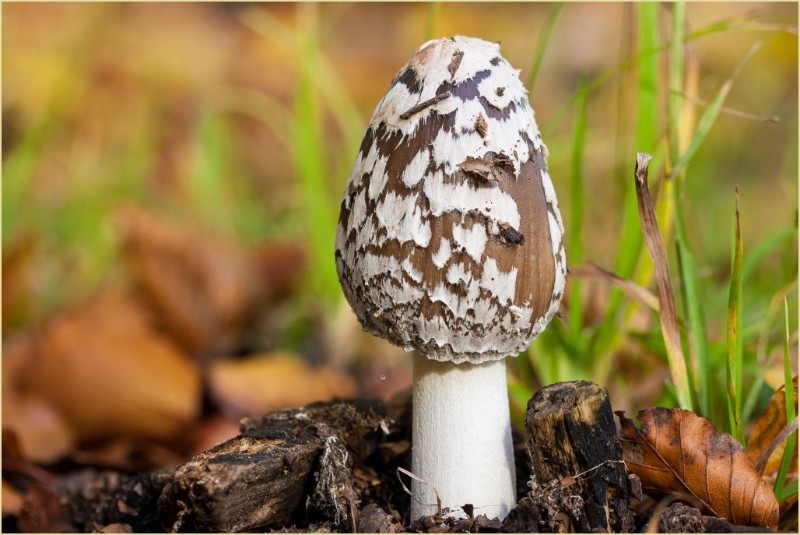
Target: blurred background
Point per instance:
(171, 183)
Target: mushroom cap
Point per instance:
(449, 238)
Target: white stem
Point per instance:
(462, 446)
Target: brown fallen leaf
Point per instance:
(11, 500)
(764, 431)
(201, 286)
(42, 433)
(33, 428)
(678, 452)
(255, 385)
(279, 265)
(109, 373)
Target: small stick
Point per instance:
(422, 105)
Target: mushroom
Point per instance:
(450, 242)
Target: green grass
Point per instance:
(576, 215)
(541, 47)
(571, 349)
(646, 139)
(318, 89)
(783, 491)
(734, 364)
(430, 20)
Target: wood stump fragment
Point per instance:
(259, 479)
(579, 481)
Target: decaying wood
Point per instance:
(579, 480)
(258, 479)
(97, 499)
(333, 466)
(289, 467)
(681, 518)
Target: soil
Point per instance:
(333, 467)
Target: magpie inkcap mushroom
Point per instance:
(450, 243)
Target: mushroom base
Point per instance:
(462, 449)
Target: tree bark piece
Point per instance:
(259, 479)
(579, 479)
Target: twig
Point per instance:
(422, 105)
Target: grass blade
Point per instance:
(712, 112)
(766, 246)
(676, 66)
(430, 20)
(18, 170)
(541, 46)
(695, 315)
(789, 385)
(646, 137)
(325, 79)
(308, 148)
(692, 302)
(206, 185)
(728, 25)
(734, 346)
(575, 236)
(668, 316)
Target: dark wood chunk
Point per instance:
(578, 472)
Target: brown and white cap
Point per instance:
(450, 238)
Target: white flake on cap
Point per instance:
(473, 239)
(443, 254)
(417, 229)
(415, 170)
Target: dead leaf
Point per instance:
(591, 270)
(666, 297)
(279, 265)
(255, 385)
(42, 433)
(201, 286)
(764, 431)
(677, 452)
(33, 429)
(109, 373)
(11, 500)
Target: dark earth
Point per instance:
(333, 467)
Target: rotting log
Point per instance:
(579, 481)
